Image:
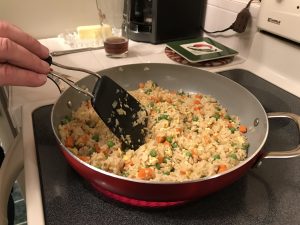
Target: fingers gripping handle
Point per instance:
(49, 60)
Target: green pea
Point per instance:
(153, 153)
(174, 145)
(91, 151)
(232, 129)
(195, 118)
(110, 144)
(166, 159)
(245, 146)
(227, 117)
(96, 137)
(215, 157)
(157, 165)
(151, 104)
(189, 154)
(148, 91)
(233, 155)
(169, 139)
(66, 120)
(164, 117)
(216, 116)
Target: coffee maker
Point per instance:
(159, 21)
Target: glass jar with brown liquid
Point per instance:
(116, 47)
(111, 15)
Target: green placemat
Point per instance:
(201, 49)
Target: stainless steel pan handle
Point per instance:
(289, 153)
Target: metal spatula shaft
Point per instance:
(121, 112)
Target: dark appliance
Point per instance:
(159, 21)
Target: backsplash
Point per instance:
(49, 18)
(45, 18)
(226, 12)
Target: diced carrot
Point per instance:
(155, 99)
(142, 173)
(160, 139)
(160, 159)
(197, 108)
(104, 148)
(182, 172)
(84, 158)
(178, 130)
(88, 105)
(167, 143)
(243, 129)
(206, 139)
(83, 139)
(146, 173)
(69, 142)
(222, 168)
(97, 148)
(141, 85)
(169, 100)
(194, 153)
(198, 96)
(197, 102)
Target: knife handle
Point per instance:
(71, 51)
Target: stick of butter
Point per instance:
(89, 32)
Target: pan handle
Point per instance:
(290, 153)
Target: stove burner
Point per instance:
(136, 202)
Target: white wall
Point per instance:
(48, 18)
(221, 14)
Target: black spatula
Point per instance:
(120, 111)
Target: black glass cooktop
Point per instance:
(269, 194)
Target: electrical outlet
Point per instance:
(241, 22)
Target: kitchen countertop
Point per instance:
(263, 59)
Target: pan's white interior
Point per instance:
(231, 95)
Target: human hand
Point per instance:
(21, 57)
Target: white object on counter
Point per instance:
(89, 32)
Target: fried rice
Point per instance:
(190, 136)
